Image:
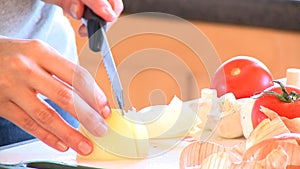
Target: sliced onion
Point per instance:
(270, 145)
(263, 149)
(265, 130)
(195, 153)
(276, 159)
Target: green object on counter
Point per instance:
(44, 165)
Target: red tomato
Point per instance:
(244, 76)
(286, 109)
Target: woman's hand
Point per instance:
(29, 67)
(109, 10)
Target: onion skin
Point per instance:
(271, 145)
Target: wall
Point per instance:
(278, 49)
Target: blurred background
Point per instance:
(268, 30)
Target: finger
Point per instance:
(76, 9)
(63, 96)
(102, 8)
(46, 117)
(73, 7)
(92, 121)
(89, 89)
(108, 10)
(117, 6)
(21, 119)
(82, 30)
(56, 2)
(75, 76)
(73, 103)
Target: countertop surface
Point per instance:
(278, 14)
(37, 151)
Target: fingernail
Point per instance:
(106, 111)
(74, 9)
(109, 11)
(84, 147)
(61, 146)
(83, 30)
(100, 129)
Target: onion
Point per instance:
(272, 144)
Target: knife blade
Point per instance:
(98, 43)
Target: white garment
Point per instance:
(34, 19)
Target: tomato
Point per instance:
(289, 109)
(244, 76)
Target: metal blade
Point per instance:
(111, 69)
(98, 43)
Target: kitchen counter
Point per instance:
(279, 14)
(38, 151)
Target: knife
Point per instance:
(44, 165)
(98, 43)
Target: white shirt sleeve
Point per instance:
(34, 19)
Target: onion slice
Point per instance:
(195, 153)
(272, 144)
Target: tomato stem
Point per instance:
(285, 96)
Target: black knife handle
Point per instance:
(94, 23)
(56, 165)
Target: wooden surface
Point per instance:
(278, 49)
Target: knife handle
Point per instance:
(94, 25)
(55, 165)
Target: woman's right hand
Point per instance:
(109, 10)
(29, 67)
